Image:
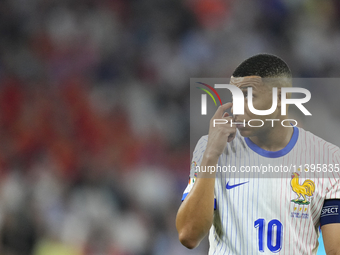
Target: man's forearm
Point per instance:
(195, 215)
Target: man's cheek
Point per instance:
(247, 114)
(258, 105)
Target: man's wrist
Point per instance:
(211, 156)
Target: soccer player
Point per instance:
(254, 215)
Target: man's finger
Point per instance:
(221, 109)
(225, 114)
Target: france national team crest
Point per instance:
(304, 194)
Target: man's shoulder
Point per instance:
(202, 141)
(312, 140)
(203, 138)
(201, 144)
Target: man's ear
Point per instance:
(279, 97)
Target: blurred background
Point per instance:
(94, 110)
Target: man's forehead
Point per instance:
(239, 81)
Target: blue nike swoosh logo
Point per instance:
(235, 185)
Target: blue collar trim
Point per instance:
(274, 154)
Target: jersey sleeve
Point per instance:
(196, 162)
(333, 191)
(330, 209)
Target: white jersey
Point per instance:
(271, 215)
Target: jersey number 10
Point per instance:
(274, 238)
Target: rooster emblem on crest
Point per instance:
(306, 189)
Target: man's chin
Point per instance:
(246, 132)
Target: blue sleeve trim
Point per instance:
(330, 212)
(185, 195)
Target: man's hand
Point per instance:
(221, 133)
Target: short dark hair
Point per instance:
(263, 65)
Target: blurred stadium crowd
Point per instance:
(94, 109)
